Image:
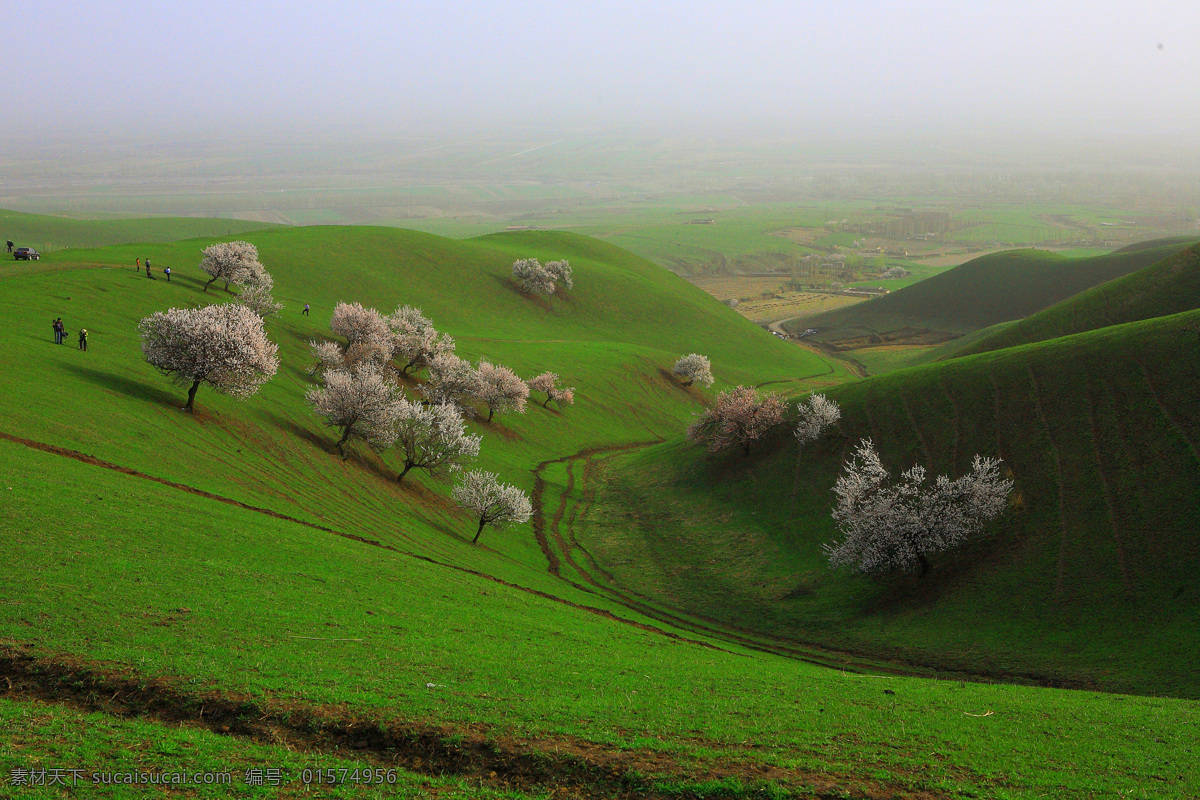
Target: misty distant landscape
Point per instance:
(629, 402)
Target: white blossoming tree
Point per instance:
(256, 295)
(696, 368)
(234, 263)
(431, 437)
(415, 342)
(816, 414)
(500, 389)
(223, 346)
(739, 418)
(891, 525)
(532, 277)
(560, 271)
(366, 332)
(493, 503)
(451, 380)
(547, 382)
(361, 402)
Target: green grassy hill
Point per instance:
(1166, 287)
(227, 571)
(985, 291)
(46, 234)
(1088, 574)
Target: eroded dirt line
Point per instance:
(1167, 413)
(564, 766)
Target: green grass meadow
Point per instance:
(663, 627)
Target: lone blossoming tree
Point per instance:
(896, 525)
(256, 295)
(817, 414)
(430, 437)
(532, 277)
(739, 418)
(361, 401)
(548, 382)
(561, 271)
(233, 262)
(494, 503)
(223, 346)
(500, 389)
(696, 368)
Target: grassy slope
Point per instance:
(46, 234)
(1166, 287)
(1088, 581)
(129, 572)
(985, 291)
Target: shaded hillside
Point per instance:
(1092, 568)
(1167, 287)
(985, 291)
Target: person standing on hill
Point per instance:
(137, 265)
(167, 270)
(10, 245)
(83, 338)
(60, 330)
(304, 313)
(148, 275)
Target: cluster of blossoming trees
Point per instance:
(534, 278)
(886, 524)
(225, 346)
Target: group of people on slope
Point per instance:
(60, 333)
(137, 267)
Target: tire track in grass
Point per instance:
(1108, 492)
(96, 462)
(1166, 412)
(1058, 468)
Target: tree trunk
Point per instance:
(746, 448)
(407, 466)
(689, 382)
(547, 403)
(210, 283)
(490, 412)
(192, 395)
(925, 565)
(343, 440)
(482, 522)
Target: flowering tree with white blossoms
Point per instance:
(888, 526)
(415, 342)
(366, 332)
(451, 380)
(532, 277)
(739, 418)
(223, 346)
(696, 368)
(256, 295)
(548, 382)
(430, 437)
(817, 414)
(360, 401)
(233, 262)
(560, 271)
(496, 504)
(500, 389)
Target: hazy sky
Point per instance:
(1099, 67)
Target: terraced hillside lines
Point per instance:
(986, 291)
(1060, 482)
(1168, 286)
(1088, 565)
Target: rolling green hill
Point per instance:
(986, 291)
(46, 234)
(1088, 573)
(1167, 287)
(225, 570)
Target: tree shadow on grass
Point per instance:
(537, 300)
(127, 387)
(324, 443)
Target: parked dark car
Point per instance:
(26, 254)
